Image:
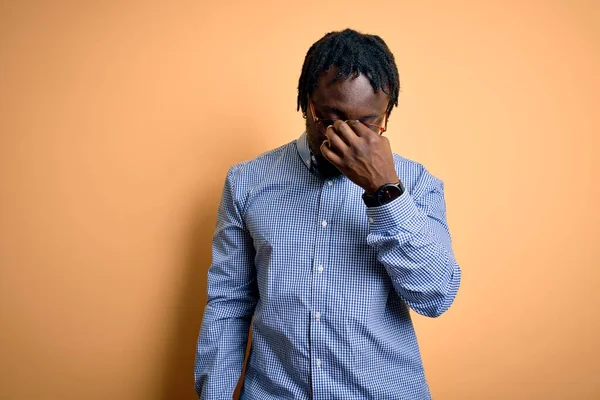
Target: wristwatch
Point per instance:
(383, 195)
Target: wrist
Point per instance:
(383, 195)
(374, 186)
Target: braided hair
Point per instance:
(353, 53)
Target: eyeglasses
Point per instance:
(322, 124)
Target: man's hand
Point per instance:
(361, 154)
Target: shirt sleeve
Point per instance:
(232, 296)
(412, 240)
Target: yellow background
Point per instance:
(119, 120)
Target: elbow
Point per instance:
(439, 301)
(435, 311)
(431, 310)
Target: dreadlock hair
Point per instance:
(353, 53)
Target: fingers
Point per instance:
(347, 139)
(344, 130)
(335, 141)
(359, 128)
(330, 155)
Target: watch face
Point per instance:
(388, 194)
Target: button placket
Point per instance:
(329, 202)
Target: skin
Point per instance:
(348, 146)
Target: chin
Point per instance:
(325, 168)
(315, 145)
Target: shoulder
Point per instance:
(415, 177)
(254, 169)
(274, 164)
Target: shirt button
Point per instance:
(318, 315)
(318, 361)
(320, 268)
(329, 183)
(371, 220)
(324, 223)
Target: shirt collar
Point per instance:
(307, 157)
(304, 151)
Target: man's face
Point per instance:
(352, 98)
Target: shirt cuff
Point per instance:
(399, 214)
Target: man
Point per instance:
(324, 244)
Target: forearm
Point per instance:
(220, 353)
(224, 332)
(416, 250)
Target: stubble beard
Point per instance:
(323, 166)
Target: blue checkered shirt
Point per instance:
(325, 282)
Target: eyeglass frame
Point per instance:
(380, 129)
